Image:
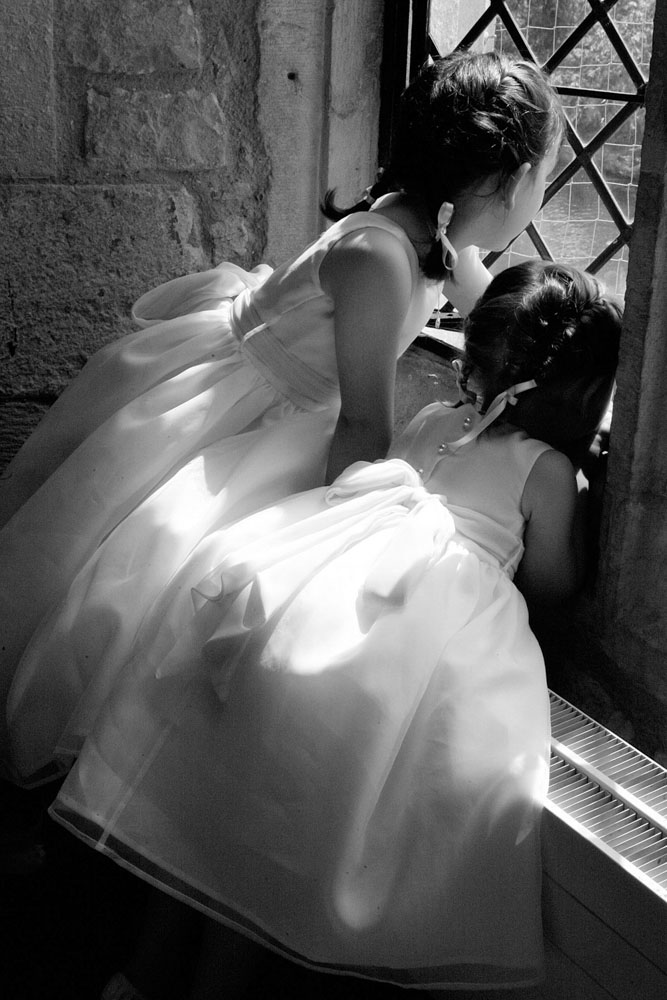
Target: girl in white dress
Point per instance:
(332, 734)
(242, 388)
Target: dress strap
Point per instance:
(495, 409)
(440, 429)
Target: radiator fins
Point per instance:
(617, 794)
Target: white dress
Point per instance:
(332, 734)
(224, 402)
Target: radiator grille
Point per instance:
(613, 790)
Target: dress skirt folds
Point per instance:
(322, 720)
(225, 401)
(129, 494)
(335, 740)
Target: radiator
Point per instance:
(605, 865)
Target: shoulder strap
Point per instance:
(441, 428)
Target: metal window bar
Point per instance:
(508, 14)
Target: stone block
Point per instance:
(354, 98)
(73, 261)
(136, 131)
(114, 36)
(637, 527)
(319, 67)
(17, 421)
(27, 122)
(291, 97)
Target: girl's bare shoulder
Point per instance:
(371, 259)
(551, 481)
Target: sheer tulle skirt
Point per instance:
(166, 435)
(332, 735)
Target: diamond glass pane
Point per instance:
(594, 64)
(633, 20)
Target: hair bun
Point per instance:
(566, 324)
(551, 317)
(541, 320)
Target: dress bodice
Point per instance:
(483, 484)
(286, 323)
(282, 319)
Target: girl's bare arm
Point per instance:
(370, 282)
(553, 564)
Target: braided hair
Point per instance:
(464, 118)
(545, 321)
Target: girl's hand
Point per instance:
(369, 279)
(468, 281)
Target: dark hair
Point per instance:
(545, 321)
(463, 118)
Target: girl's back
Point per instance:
(483, 485)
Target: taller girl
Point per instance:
(241, 388)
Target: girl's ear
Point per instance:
(513, 185)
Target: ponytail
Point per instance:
(374, 191)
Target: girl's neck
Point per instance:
(411, 215)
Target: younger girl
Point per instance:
(243, 388)
(336, 741)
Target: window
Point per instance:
(597, 54)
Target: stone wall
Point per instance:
(145, 140)
(131, 153)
